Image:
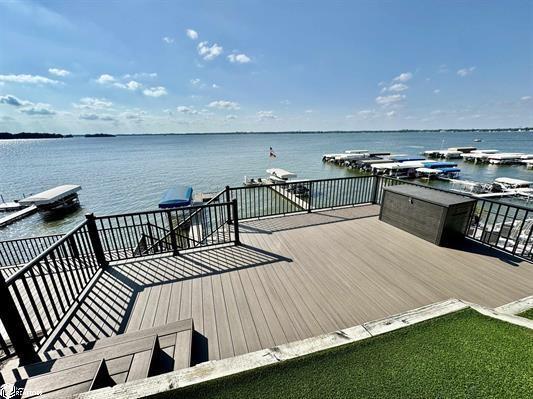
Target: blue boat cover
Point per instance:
(404, 158)
(439, 165)
(176, 196)
(449, 170)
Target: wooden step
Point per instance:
(112, 354)
(61, 384)
(183, 349)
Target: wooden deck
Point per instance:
(294, 277)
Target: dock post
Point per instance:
(173, 241)
(14, 326)
(236, 221)
(94, 237)
(228, 200)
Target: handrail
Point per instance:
(188, 219)
(43, 254)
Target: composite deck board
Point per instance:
(295, 277)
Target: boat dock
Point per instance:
(281, 190)
(13, 217)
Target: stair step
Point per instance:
(142, 362)
(61, 384)
(111, 353)
(183, 349)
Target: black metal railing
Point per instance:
(21, 251)
(132, 235)
(503, 226)
(303, 196)
(37, 296)
(507, 227)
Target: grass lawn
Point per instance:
(462, 355)
(527, 314)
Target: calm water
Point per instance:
(130, 173)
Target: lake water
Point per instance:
(129, 173)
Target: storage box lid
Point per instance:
(429, 195)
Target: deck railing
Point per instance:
(304, 196)
(18, 252)
(37, 296)
(132, 235)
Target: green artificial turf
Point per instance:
(461, 355)
(527, 314)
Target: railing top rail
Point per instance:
(521, 207)
(43, 254)
(157, 211)
(305, 181)
(32, 238)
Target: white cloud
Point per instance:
(403, 77)
(96, 117)
(59, 72)
(266, 115)
(105, 79)
(466, 71)
(367, 113)
(436, 91)
(350, 116)
(398, 87)
(93, 103)
(38, 110)
(285, 102)
(186, 110)
(526, 98)
(10, 99)
(231, 117)
(140, 75)
(133, 85)
(30, 79)
(155, 91)
(308, 111)
(223, 104)
(390, 114)
(168, 40)
(209, 53)
(391, 99)
(215, 86)
(195, 82)
(192, 34)
(239, 58)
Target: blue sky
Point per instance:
(197, 66)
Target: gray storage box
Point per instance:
(436, 216)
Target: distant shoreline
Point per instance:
(24, 135)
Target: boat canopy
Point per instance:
(281, 173)
(428, 171)
(50, 196)
(356, 151)
(439, 165)
(176, 196)
(403, 158)
(449, 170)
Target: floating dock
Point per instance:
(10, 207)
(18, 215)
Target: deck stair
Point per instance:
(106, 362)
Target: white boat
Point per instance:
(356, 151)
(280, 175)
(55, 199)
(510, 183)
